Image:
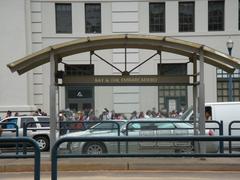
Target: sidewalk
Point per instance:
(97, 164)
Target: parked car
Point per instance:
(139, 128)
(38, 131)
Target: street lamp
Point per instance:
(230, 83)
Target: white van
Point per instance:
(220, 111)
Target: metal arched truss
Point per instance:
(158, 43)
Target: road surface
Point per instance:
(130, 175)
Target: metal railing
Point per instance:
(36, 155)
(230, 129)
(6, 128)
(55, 154)
(28, 127)
(220, 124)
(66, 126)
(219, 128)
(220, 131)
(115, 126)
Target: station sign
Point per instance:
(126, 80)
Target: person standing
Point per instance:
(141, 115)
(9, 114)
(208, 114)
(133, 115)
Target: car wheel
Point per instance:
(94, 148)
(43, 142)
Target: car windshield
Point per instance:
(111, 125)
(9, 126)
(44, 121)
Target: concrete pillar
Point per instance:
(52, 100)
(202, 101)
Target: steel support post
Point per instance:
(202, 101)
(52, 100)
(230, 80)
(195, 127)
(195, 94)
(125, 63)
(230, 88)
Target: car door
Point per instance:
(9, 130)
(132, 129)
(147, 130)
(31, 128)
(106, 129)
(183, 129)
(151, 129)
(165, 129)
(43, 124)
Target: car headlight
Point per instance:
(63, 145)
(74, 145)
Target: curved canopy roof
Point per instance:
(159, 43)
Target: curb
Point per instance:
(97, 164)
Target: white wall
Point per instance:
(125, 19)
(14, 91)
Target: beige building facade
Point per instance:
(31, 25)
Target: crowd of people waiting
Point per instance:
(89, 115)
(38, 112)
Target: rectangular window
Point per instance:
(216, 15)
(156, 17)
(79, 98)
(93, 18)
(222, 85)
(63, 18)
(186, 16)
(172, 69)
(79, 70)
(177, 94)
